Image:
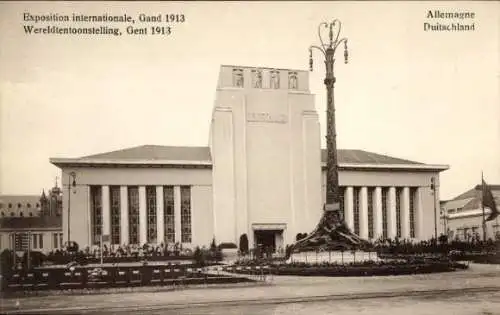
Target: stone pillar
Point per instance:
(377, 213)
(124, 215)
(106, 213)
(405, 213)
(160, 225)
(363, 213)
(143, 233)
(349, 207)
(419, 214)
(391, 215)
(177, 213)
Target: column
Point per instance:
(177, 213)
(106, 214)
(124, 215)
(419, 215)
(363, 212)
(143, 233)
(377, 213)
(160, 234)
(405, 213)
(391, 215)
(349, 208)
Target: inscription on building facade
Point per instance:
(267, 117)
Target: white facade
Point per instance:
(462, 216)
(261, 174)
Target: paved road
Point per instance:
(480, 285)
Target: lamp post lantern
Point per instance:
(71, 187)
(328, 50)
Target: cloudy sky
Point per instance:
(427, 96)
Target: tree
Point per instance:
(199, 257)
(213, 245)
(244, 244)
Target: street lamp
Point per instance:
(71, 187)
(328, 50)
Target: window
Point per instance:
(399, 191)
(3, 214)
(356, 192)
(114, 200)
(413, 196)
(133, 215)
(10, 205)
(37, 240)
(151, 213)
(37, 205)
(341, 201)
(12, 214)
(185, 214)
(169, 214)
(371, 190)
(384, 212)
(31, 214)
(238, 78)
(21, 214)
(96, 213)
(29, 205)
(57, 240)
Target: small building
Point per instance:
(31, 221)
(462, 216)
(42, 233)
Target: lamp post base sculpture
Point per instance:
(331, 233)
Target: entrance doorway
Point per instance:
(268, 240)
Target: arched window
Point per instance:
(37, 205)
(31, 214)
(21, 214)
(29, 205)
(3, 214)
(10, 205)
(19, 205)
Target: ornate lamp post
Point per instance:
(71, 184)
(328, 50)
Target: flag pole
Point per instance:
(482, 205)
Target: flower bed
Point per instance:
(354, 270)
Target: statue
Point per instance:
(275, 79)
(257, 79)
(238, 77)
(292, 80)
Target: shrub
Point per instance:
(199, 257)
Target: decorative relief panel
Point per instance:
(238, 78)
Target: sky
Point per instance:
(431, 97)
